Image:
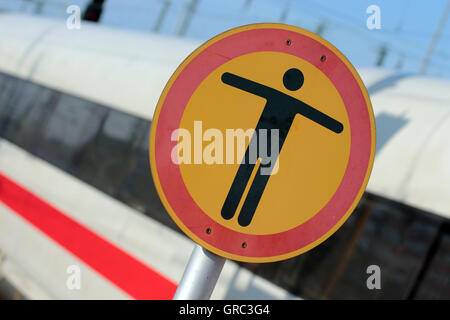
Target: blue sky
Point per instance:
(406, 25)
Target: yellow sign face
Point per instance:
(300, 176)
(262, 142)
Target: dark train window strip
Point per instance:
(108, 149)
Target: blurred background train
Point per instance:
(76, 189)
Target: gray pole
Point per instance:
(39, 6)
(162, 14)
(200, 276)
(247, 4)
(435, 39)
(185, 17)
(285, 12)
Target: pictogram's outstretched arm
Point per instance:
(247, 85)
(318, 117)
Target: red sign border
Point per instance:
(170, 185)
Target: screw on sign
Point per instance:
(262, 142)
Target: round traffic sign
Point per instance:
(262, 142)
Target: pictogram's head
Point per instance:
(293, 79)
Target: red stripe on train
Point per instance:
(113, 263)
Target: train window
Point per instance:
(2, 82)
(108, 157)
(6, 107)
(92, 142)
(27, 105)
(72, 124)
(310, 274)
(138, 189)
(396, 238)
(121, 127)
(384, 233)
(434, 280)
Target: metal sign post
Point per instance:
(200, 276)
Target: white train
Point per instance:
(76, 192)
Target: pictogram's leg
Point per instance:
(252, 200)
(238, 187)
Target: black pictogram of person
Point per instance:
(279, 112)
